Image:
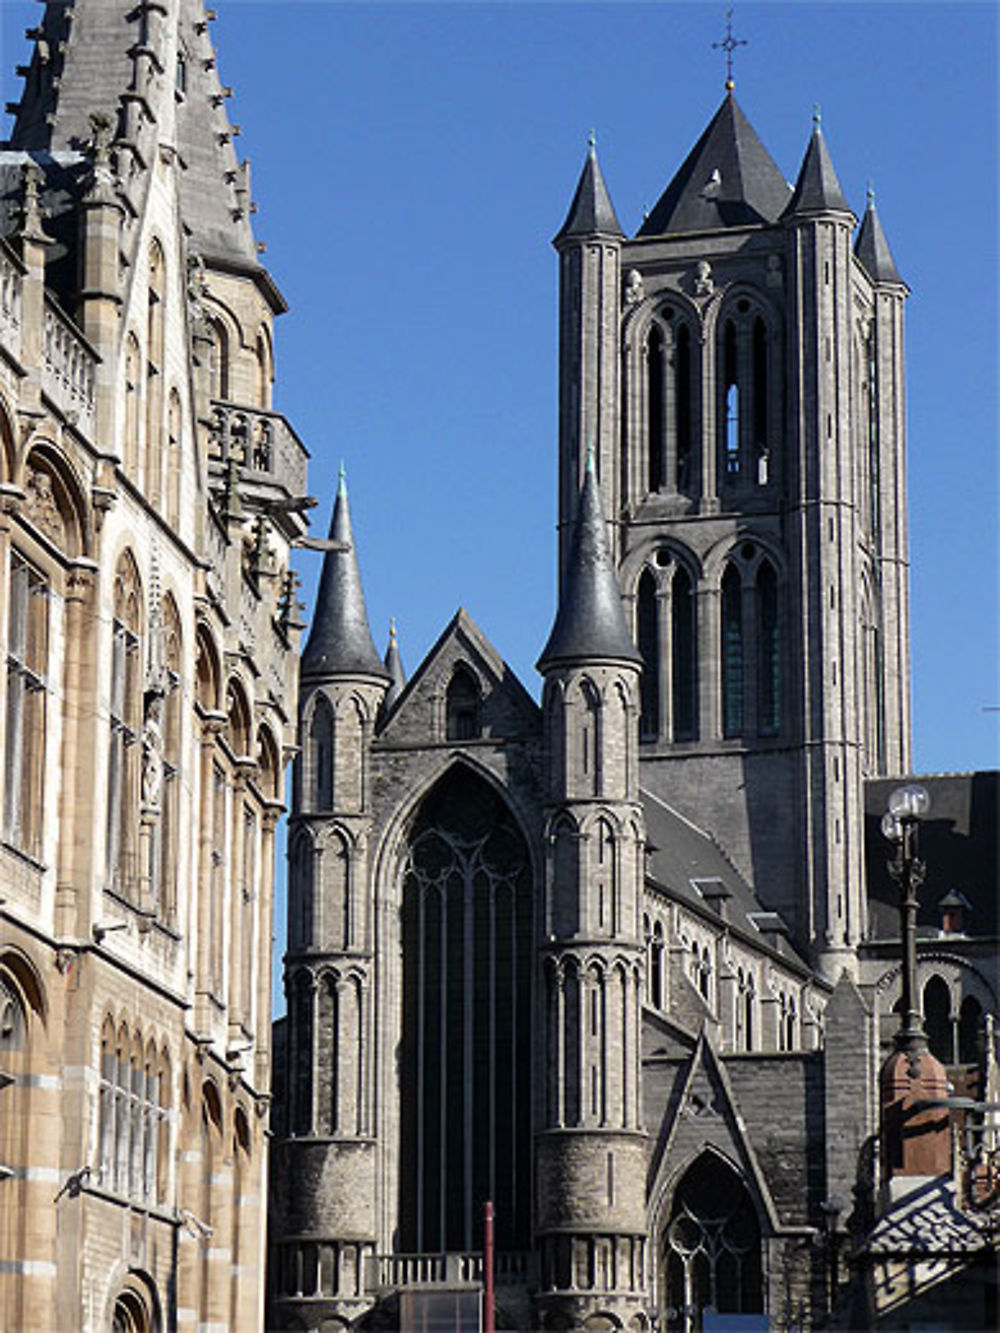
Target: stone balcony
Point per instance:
(271, 458)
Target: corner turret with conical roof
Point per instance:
(817, 189)
(591, 213)
(871, 249)
(592, 931)
(340, 640)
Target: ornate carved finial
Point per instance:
(729, 44)
(31, 210)
(392, 630)
(102, 131)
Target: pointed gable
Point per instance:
(727, 180)
(817, 189)
(591, 212)
(506, 710)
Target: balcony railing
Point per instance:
(396, 1272)
(69, 369)
(271, 457)
(10, 302)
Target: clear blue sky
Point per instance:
(411, 163)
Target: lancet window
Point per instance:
(126, 714)
(462, 706)
(27, 669)
(666, 639)
(154, 374)
(746, 407)
(169, 837)
(133, 1115)
(669, 399)
(751, 645)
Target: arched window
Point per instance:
(732, 652)
(768, 651)
(656, 956)
(937, 1019)
(264, 372)
(605, 879)
(462, 706)
(711, 1247)
(154, 374)
(335, 899)
(683, 417)
(319, 757)
(126, 718)
(169, 833)
(173, 498)
(590, 740)
(565, 906)
(207, 673)
(27, 693)
(655, 437)
(301, 890)
(130, 431)
(218, 361)
(760, 403)
(731, 404)
(302, 1055)
(683, 656)
(649, 649)
(467, 1021)
(237, 719)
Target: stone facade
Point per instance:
(608, 963)
(150, 495)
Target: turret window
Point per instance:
(319, 762)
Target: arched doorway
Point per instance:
(466, 1051)
(710, 1249)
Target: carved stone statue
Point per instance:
(152, 749)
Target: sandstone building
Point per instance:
(149, 494)
(624, 964)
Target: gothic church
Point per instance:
(610, 963)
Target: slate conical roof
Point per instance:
(872, 249)
(90, 58)
(590, 623)
(591, 212)
(817, 189)
(728, 179)
(340, 641)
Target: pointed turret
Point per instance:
(394, 666)
(590, 623)
(871, 249)
(729, 179)
(817, 189)
(340, 641)
(591, 213)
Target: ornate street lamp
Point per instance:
(900, 824)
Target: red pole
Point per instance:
(487, 1268)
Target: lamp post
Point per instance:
(907, 805)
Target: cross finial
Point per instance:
(729, 45)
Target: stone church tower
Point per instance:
(740, 370)
(150, 495)
(611, 964)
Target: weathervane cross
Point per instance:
(729, 45)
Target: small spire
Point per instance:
(591, 212)
(871, 249)
(394, 666)
(817, 189)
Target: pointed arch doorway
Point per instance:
(465, 1064)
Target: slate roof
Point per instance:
(590, 623)
(690, 866)
(727, 180)
(872, 251)
(817, 189)
(591, 211)
(340, 641)
(958, 843)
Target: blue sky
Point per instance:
(412, 162)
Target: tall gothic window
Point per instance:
(649, 650)
(218, 361)
(744, 405)
(27, 664)
(466, 1052)
(154, 375)
(682, 638)
(655, 437)
(130, 428)
(683, 424)
(124, 750)
(768, 651)
(731, 389)
(712, 1246)
(732, 652)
